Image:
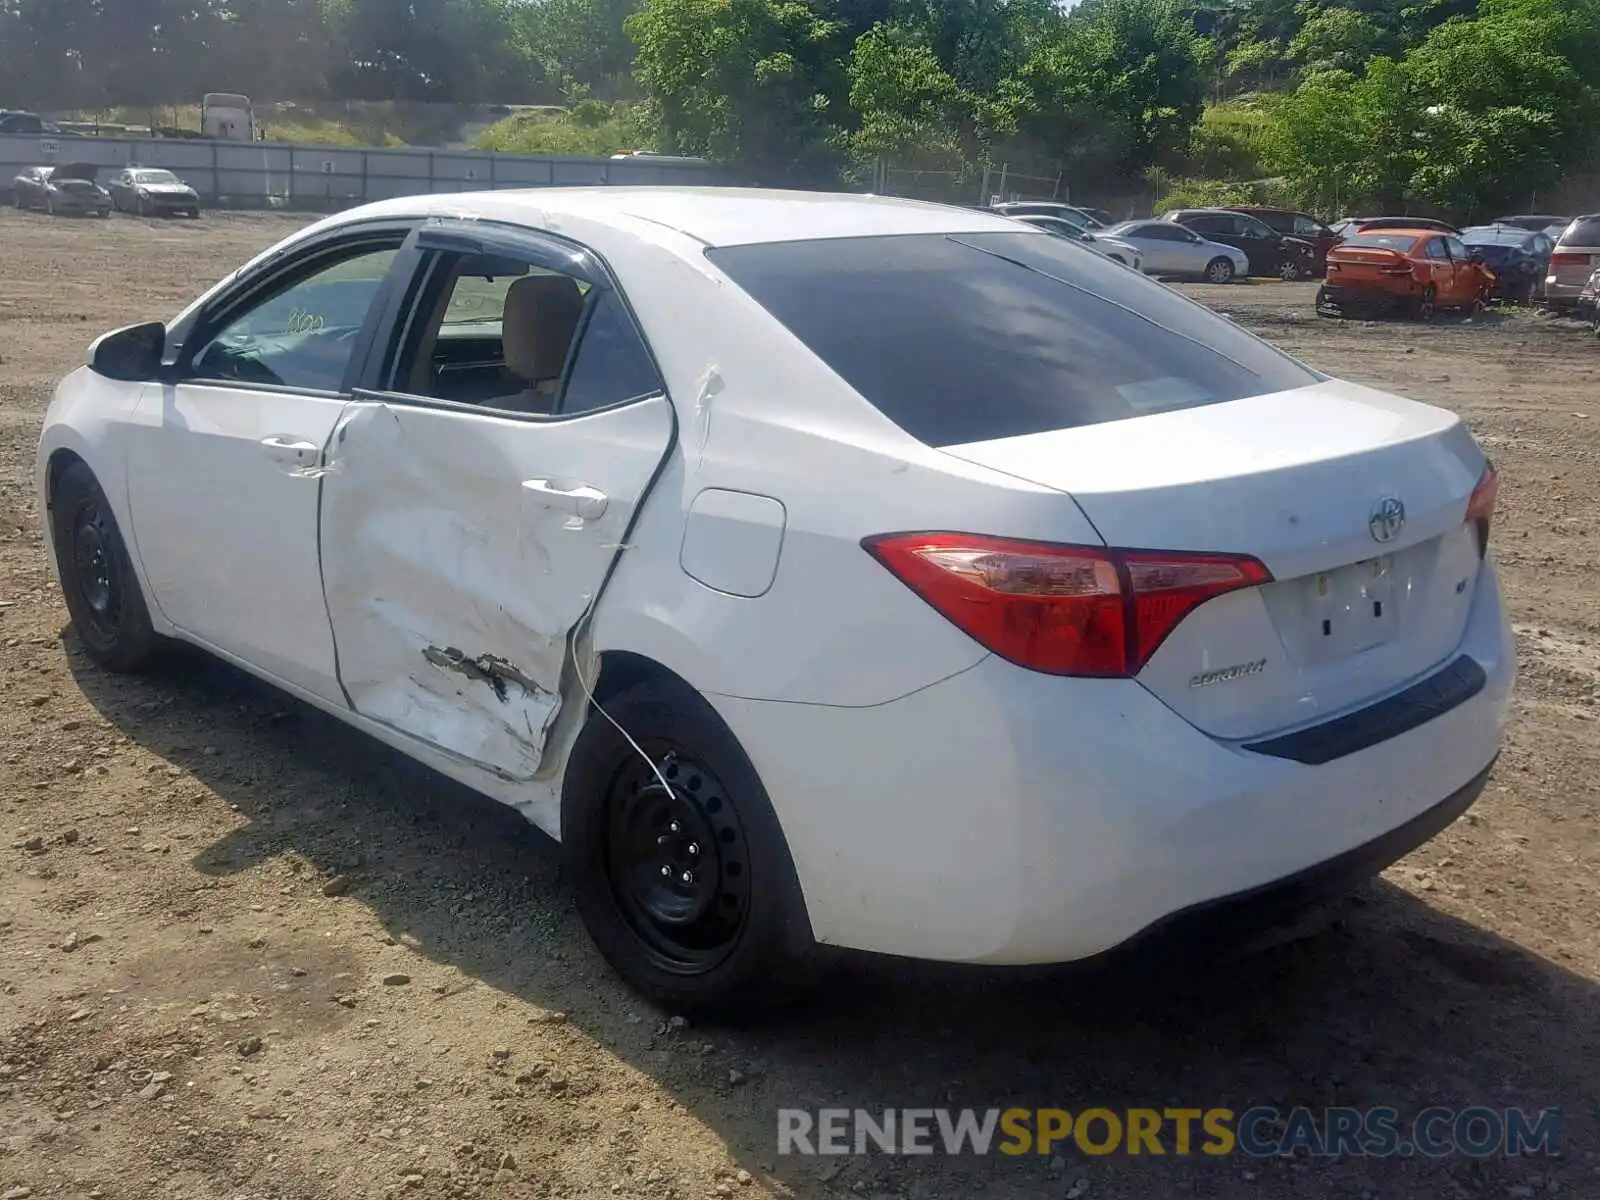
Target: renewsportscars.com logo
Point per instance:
(1477, 1132)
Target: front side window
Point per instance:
(303, 334)
(962, 338)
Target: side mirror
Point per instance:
(132, 354)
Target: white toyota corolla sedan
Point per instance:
(823, 571)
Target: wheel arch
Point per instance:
(56, 466)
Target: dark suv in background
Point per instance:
(1269, 252)
(1291, 223)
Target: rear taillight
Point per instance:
(1480, 509)
(1560, 259)
(1063, 610)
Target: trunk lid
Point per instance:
(1365, 596)
(1349, 264)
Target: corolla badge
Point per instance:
(1228, 674)
(1387, 520)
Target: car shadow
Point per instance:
(1394, 1004)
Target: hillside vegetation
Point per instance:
(1457, 106)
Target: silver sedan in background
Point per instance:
(1171, 249)
(1101, 243)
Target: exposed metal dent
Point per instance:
(486, 668)
(453, 588)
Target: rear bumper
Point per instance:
(1345, 299)
(1234, 920)
(1560, 291)
(1008, 817)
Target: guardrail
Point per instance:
(286, 175)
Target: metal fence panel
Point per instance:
(281, 174)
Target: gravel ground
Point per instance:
(245, 953)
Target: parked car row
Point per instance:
(74, 189)
(1522, 258)
(1417, 266)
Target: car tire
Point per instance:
(97, 577)
(1289, 271)
(1425, 305)
(1219, 270)
(683, 876)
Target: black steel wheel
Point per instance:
(677, 859)
(683, 876)
(97, 578)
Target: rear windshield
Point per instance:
(962, 338)
(1585, 231)
(1382, 241)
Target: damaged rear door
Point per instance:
(479, 489)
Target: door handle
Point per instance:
(581, 500)
(292, 449)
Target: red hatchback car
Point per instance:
(1415, 271)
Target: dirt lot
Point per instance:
(188, 1006)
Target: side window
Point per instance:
(490, 330)
(1435, 249)
(508, 335)
(1309, 227)
(302, 334)
(1457, 249)
(612, 364)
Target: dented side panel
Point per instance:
(459, 550)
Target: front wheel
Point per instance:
(683, 875)
(1289, 271)
(97, 578)
(1219, 270)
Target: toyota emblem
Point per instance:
(1387, 520)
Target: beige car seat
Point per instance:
(541, 316)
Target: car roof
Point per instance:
(1401, 231)
(713, 216)
(1504, 233)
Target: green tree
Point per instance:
(753, 82)
(1337, 39)
(909, 107)
(1119, 87)
(581, 43)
